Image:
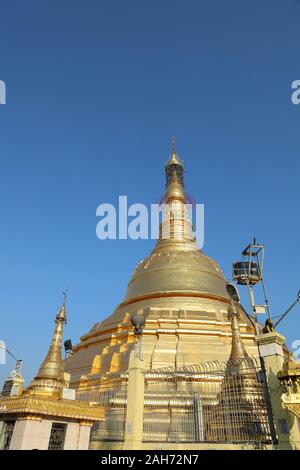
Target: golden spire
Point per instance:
(238, 350)
(50, 377)
(176, 231)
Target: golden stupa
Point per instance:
(181, 293)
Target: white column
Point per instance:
(84, 435)
(31, 433)
(72, 436)
(135, 404)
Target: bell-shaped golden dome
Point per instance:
(188, 272)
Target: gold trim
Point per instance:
(86, 423)
(46, 407)
(158, 295)
(30, 418)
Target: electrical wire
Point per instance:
(8, 351)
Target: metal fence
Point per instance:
(212, 402)
(112, 395)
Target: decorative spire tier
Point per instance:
(174, 168)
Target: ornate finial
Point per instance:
(65, 294)
(238, 350)
(173, 143)
(232, 311)
(62, 314)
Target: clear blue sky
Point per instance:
(95, 90)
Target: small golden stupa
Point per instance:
(50, 380)
(46, 415)
(181, 293)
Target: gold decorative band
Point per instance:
(158, 295)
